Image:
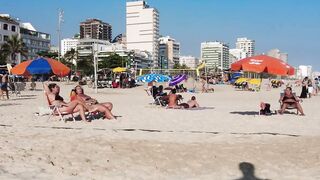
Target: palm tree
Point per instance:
(14, 46)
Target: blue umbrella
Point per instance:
(177, 79)
(153, 77)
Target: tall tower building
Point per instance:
(142, 29)
(95, 29)
(169, 52)
(247, 45)
(215, 54)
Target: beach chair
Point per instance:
(289, 107)
(55, 111)
(255, 84)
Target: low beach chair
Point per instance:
(289, 107)
(54, 111)
(255, 84)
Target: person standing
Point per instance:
(4, 86)
(304, 91)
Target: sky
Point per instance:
(293, 26)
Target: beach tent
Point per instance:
(41, 66)
(263, 64)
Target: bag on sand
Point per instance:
(266, 110)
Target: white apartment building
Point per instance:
(68, 44)
(142, 28)
(276, 53)
(215, 54)
(9, 27)
(190, 61)
(236, 54)
(169, 52)
(247, 45)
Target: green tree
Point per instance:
(14, 46)
(85, 65)
(53, 55)
(178, 66)
(113, 61)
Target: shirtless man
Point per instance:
(173, 99)
(4, 86)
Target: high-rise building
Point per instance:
(169, 52)
(215, 54)
(276, 53)
(247, 45)
(34, 40)
(95, 29)
(142, 29)
(236, 54)
(68, 44)
(189, 61)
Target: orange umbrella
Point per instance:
(263, 63)
(41, 66)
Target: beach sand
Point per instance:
(149, 142)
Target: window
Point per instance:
(13, 28)
(0, 37)
(5, 38)
(5, 26)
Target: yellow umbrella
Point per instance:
(119, 69)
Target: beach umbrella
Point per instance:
(263, 64)
(177, 79)
(119, 69)
(154, 77)
(41, 66)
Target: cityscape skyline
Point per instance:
(292, 23)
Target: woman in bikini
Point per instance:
(53, 90)
(93, 103)
(289, 99)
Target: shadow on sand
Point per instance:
(252, 113)
(10, 104)
(247, 170)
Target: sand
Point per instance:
(149, 142)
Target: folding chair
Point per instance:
(289, 107)
(56, 111)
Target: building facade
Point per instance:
(236, 54)
(169, 52)
(95, 29)
(247, 45)
(190, 61)
(9, 27)
(142, 29)
(276, 53)
(68, 44)
(34, 40)
(215, 55)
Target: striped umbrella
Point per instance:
(153, 77)
(177, 79)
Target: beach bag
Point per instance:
(266, 110)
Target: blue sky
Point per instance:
(293, 26)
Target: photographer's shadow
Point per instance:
(247, 170)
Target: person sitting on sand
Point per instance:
(192, 103)
(289, 99)
(105, 107)
(52, 90)
(173, 99)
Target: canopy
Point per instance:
(153, 77)
(263, 63)
(41, 66)
(119, 69)
(177, 79)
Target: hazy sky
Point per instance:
(293, 26)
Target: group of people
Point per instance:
(80, 102)
(171, 100)
(309, 87)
